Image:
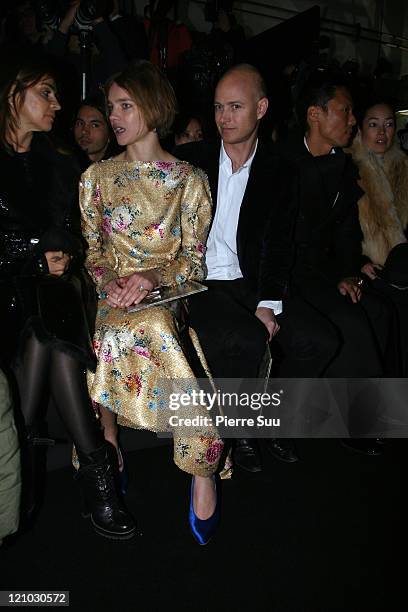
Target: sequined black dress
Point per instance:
(38, 213)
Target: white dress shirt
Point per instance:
(221, 256)
(332, 151)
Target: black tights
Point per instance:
(44, 371)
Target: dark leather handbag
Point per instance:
(53, 307)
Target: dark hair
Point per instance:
(368, 102)
(318, 91)
(151, 91)
(15, 79)
(182, 120)
(96, 100)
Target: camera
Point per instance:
(51, 12)
(87, 12)
(48, 13)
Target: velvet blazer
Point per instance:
(327, 236)
(266, 219)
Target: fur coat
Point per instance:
(383, 209)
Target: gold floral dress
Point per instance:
(138, 216)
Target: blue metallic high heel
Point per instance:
(203, 530)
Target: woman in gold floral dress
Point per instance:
(146, 217)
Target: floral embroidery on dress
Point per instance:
(97, 196)
(181, 447)
(104, 398)
(143, 352)
(133, 382)
(118, 218)
(169, 341)
(168, 174)
(213, 452)
(165, 165)
(156, 399)
(119, 343)
(138, 216)
(122, 217)
(127, 175)
(155, 228)
(98, 271)
(106, 223)
(136, 254)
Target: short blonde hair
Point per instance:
(151, 91)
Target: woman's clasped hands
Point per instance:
(124, 291)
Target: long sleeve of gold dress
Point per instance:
(138, 216)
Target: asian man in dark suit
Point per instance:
(326, 270)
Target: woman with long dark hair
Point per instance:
(383, 209)
(46, 341)
(383, 167)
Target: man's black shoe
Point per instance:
(246, 455)
(282, 449)
(364, 446)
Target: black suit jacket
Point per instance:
(267, 215)
(327, 237)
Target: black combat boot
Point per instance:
(101, 501)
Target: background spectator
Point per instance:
(93, 134)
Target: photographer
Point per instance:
(84, 38)
(21, 27)
(226, 35)
(130, 33)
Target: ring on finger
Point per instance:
(141, 288)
